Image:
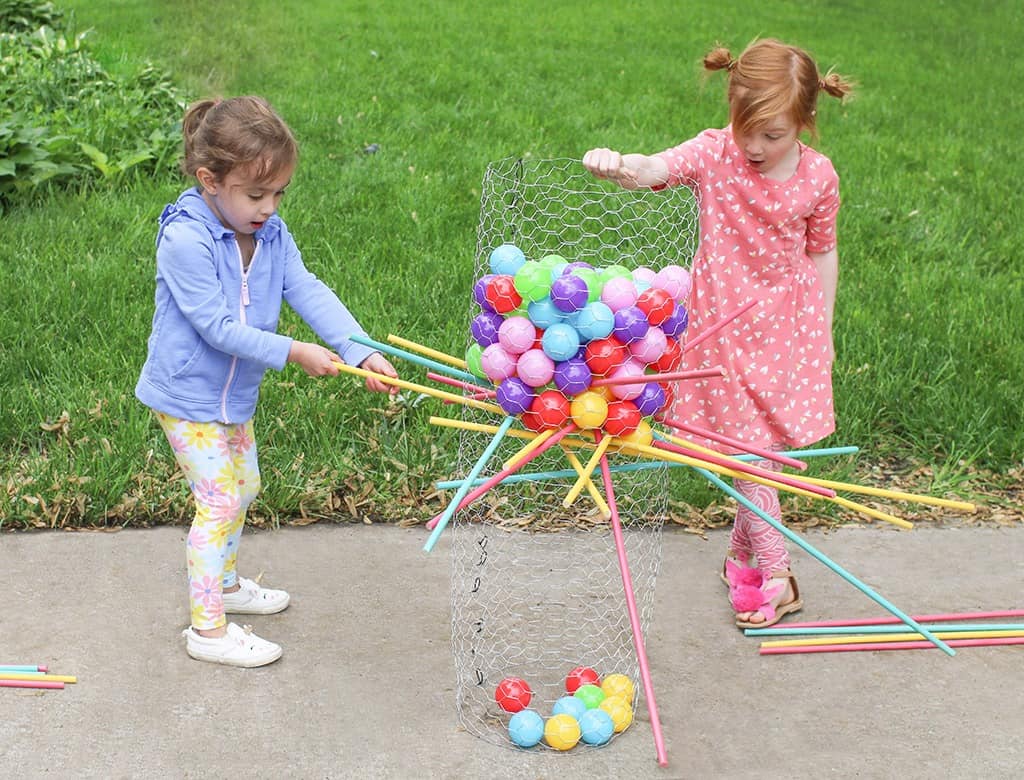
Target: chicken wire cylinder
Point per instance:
(537, 589)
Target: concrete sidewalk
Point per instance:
(366, 685)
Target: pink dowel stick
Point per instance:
(671, 376)
(746, 468)
(720, 324)
(1000, 613)
(634, 617)
(482, 391)
(30, 684)
(679, 425)
(478, 491)
(922, 645)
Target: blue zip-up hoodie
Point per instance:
(214, 328)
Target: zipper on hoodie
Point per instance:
(242, 303)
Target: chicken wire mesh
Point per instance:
(536, 587)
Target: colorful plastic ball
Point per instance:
(657, 304)
(506, 259)
(623, 418)
(514, 396)
(516, 335)
(484, 327)
(526, 728)
(594, 321)
(615, 272)
(501, 294)
(497, 363)
(560, 341)
(670, 358)
(594, 282)
(533, 281)
(631, 369)
(618, 293)
(651, 399)
(605, 355)
(513, 694)
(544, 313)
(676, 323)
(531, 420)
(675, 280)
(552, 261)
(569, 705)
(552, 409)
(644, 274)
(596, 726)
(562, 732)
(572, 376)
(535, 368)
(643, 435)
(581, 675)
(590, 694)
(473, 356)
(575, 265)
(670, 398)
(569, 292)
(618, 685)
(620, 710)
(649, 347)
(480, 292)
(589, 410)
(630, 324)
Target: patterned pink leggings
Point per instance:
(220, 464)
(753, 536)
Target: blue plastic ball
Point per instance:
(507, 259)
(569, 705)
(594, 321)
(544, 313)
(596, 726)
(560, 341)
(526, 728)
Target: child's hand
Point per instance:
(314, 359)
(379, 365)
(609, 164)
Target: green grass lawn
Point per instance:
(930, 345)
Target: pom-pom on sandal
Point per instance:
(757, 599)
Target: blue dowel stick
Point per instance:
(21, 669)
(412, 357)
(882, 628)
(862, 587)
(468, 482)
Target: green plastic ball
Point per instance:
(591, 695)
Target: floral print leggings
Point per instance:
(219, 462)
(753, 536)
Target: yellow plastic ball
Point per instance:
(562, 732)
(618, 685)
(642, 435)
(620, 710)
(589, 410)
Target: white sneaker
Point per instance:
(239, 647)
(251, 599)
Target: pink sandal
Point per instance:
(747, 593)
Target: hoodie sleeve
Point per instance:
(186, 264)
(320, 307)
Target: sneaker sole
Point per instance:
(244, 664)
(265, 610)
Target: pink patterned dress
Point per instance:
(755, 236)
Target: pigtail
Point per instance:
(719, 58)
(835, 85)
(194, 116)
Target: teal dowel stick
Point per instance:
(412, 357)
(862, 587)
(21, 669)
(467, 483)
(882, 628)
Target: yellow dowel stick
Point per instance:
(595, 494)
(64, 678)
(412, 345)
(538, 440)
(421, 389)
(908, 637)
(894, 494)
(584, 478)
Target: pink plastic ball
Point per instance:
(628, 370)
(516, 335)
(618, 293)
(535, 368)
(644, 274)
(650, 347)
(675, 280)
(497, 364)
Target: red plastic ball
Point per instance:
(670, 358)
(656, 304)
(670, 399)
(581, 675)
(603, 356)
(501, 293)
(623, 418)
(513, 694)
(531, 421)
(552, 409)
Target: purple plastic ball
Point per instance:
(651, 399)
(572, 376)
(676, 322)
(484, 327)
(514, 396)
(569, 292)
(480, 290)
(630, 324)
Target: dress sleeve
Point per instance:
(688, 162)
(821, 224)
